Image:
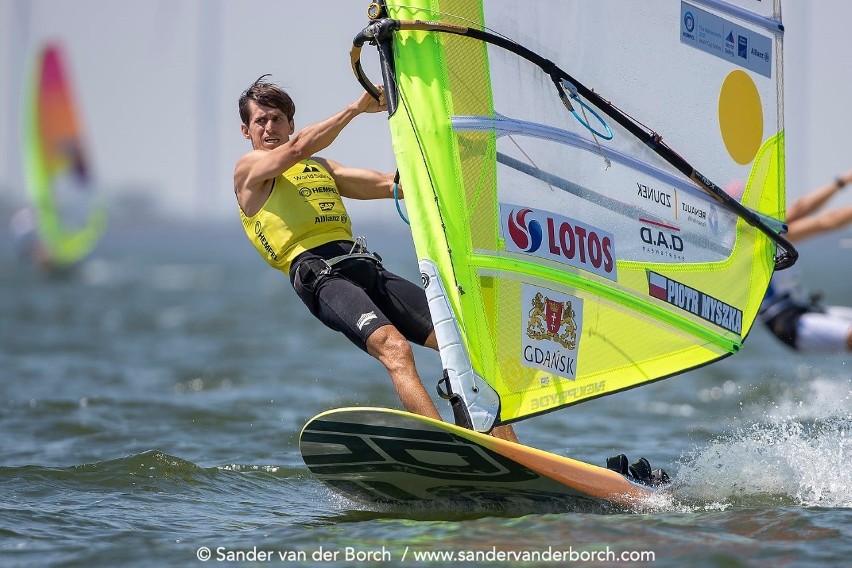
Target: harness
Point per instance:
(358, 251)
(782, 316)
(311, 271)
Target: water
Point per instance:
(150, 410)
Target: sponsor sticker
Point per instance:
(695, 302)
(547, 235)
(661, 239)
(698, 213)
(550, 330)
(724, 39)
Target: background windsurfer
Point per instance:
(28, 246)
(292, 210)
(794, 315)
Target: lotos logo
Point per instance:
(553, 237)
(526, 237)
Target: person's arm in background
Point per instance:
(801, 224)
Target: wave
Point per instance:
(152, 470)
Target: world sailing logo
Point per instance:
(550, 331)
(553, 237)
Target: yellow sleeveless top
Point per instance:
(303, 211)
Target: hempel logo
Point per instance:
(258, 230)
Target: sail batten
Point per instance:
(575, 264)
(505, 127)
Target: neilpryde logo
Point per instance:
(689, 22)
(527, 236)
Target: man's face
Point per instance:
(268, 127)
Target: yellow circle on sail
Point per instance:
(740, 116)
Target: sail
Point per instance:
(565, 166)
(70, 215)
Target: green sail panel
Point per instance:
(575, 260)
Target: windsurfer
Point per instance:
(793, 315)
(292, 210)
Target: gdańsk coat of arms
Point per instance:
(552, 320)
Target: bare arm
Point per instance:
(817, 224)
(258, 166)
(812, 201)
(358, 183)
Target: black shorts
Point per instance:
(785, 324)
(358, 296)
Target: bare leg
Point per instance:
(389, 346)
(505, 432)
(431, 341)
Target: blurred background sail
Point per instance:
(70, 214)
(142, 82)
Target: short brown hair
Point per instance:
(266, 94)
